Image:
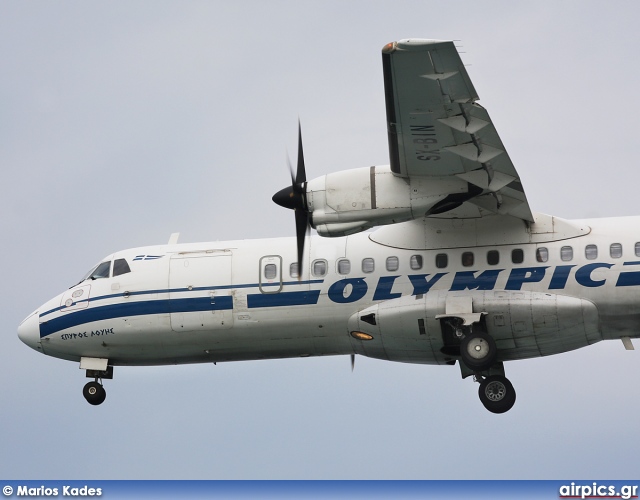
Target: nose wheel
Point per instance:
(94, 393)
(97, 369)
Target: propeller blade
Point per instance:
(295, 198)
(301, 174)
(293, 176)
(302, 228)
(353, 362)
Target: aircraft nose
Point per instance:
(29, 331)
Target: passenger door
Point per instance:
(200, 294)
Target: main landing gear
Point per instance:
(496, 393)
(478, 354)
(478, 351)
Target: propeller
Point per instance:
(295, 198)
(353, 362)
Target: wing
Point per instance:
(437, 129)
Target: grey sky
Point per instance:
(123, 122)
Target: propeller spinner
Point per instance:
(295, 198)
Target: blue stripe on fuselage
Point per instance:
(163, 306)
(309, 297)
(178, 290)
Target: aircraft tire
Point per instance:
(497, 394)
(478, 351)
(94, 393)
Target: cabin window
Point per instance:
(393, 263)
(493, 257)
(270, 271)
(566, 253)
(120, 266)
(615, 250)
(591, 252)
(293, 270)
(368, 265)
(344, 266)
(442, 260)
(542, 254)
(415, 262)
(637, 249)
(517, 256)
(467, 259)
(319, 267)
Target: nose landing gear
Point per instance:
(94, 393)
(97, 369)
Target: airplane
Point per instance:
(435, 258)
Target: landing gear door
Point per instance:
(200, 291)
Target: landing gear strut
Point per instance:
(94, 393)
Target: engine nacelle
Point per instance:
(351, 201)
(523, 324)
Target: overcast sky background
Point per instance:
(122, 122)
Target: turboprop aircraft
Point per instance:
(460, 271)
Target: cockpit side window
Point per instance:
(120, 266)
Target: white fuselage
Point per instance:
(227, 301)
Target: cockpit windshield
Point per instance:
(103, 270)
(99, 271)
